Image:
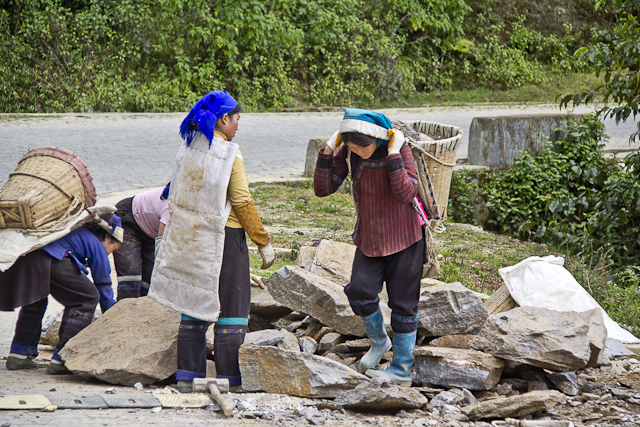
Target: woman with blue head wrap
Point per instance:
(213, 119)
(59, 269)
(388, 234)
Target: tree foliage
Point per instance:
(143, 55)
(614, 54)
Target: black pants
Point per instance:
(402, 272)
(234, 291)
(134, 260)
(74, 291)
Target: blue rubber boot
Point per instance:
(400, 370)
(380, 342)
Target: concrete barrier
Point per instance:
(497, 141)
(314, 145)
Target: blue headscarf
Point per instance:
(381, 124)
(202, 117)
(165, 192)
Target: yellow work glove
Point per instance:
(397, 141)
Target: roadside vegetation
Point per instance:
(161, 56)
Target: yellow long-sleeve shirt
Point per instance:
(238, 190)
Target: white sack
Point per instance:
(15, 242)
(187, 267)
(545, 283)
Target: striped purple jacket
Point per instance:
(385, 185)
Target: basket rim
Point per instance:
(75, 161)
(455, 137)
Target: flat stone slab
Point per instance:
(274, 370)
(515, 406)
(555, 340)
(380, 396)
(135, 341)
(454, 367)
(280, 338)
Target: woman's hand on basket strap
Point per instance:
(397, 141)
(333, 143)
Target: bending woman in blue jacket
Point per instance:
(59, 269)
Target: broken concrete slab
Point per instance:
(559, 341)
(380, 396)
(515, 406)
(448, 309)
(449, 367)
(274, 370)
(135, 341)
(273, 337)
(320, 298)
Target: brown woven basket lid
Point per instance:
(76, 162)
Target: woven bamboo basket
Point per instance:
(440, 157)
(500, 301)
(49, 186)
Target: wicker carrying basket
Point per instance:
(48, 186)
(440, 157)
(500, 301)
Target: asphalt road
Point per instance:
(130, 151)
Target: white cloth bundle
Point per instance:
(545, 283)
(187, 268)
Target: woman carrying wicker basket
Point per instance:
(59, 269)
(388, 233)
(144, 218)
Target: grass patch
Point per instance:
(542, 93)
(296, 217)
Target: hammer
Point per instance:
(214, 386)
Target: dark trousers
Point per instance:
(402, 272)
(234, 292)
(74, 291)
(134, 260)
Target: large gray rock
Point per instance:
(280, 338)
(135, 341)
(333, 261)
(515, 406)
(453, 367)
(320, 298)
(449, 308)
(299, 374)
(380, 396)
(555, 340)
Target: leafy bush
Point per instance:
(571, 197)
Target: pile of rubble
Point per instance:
(305, 341)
